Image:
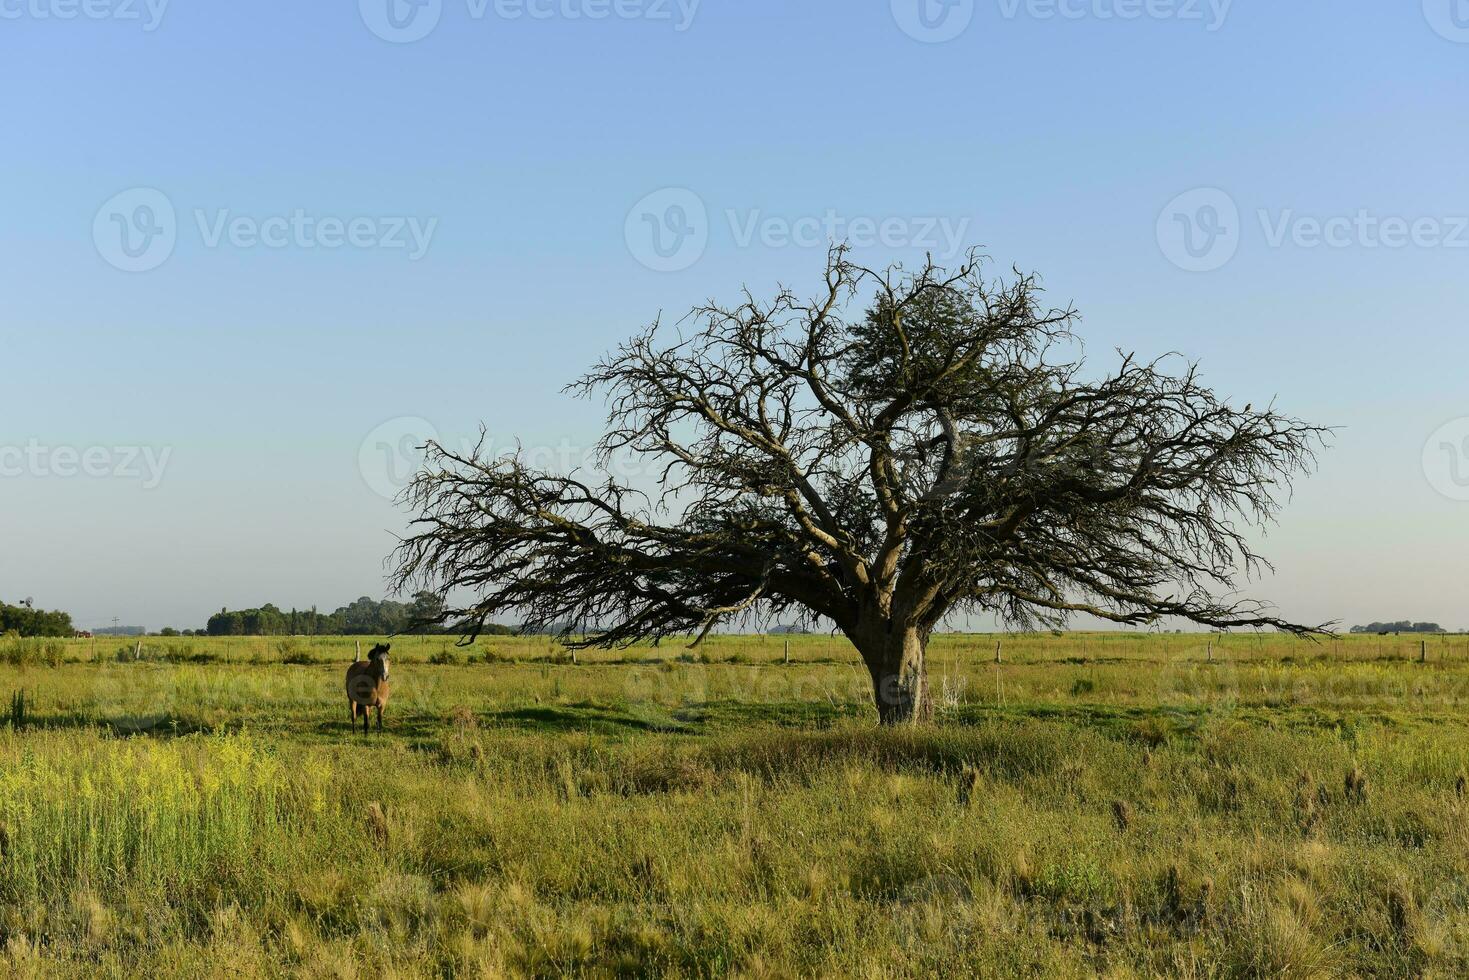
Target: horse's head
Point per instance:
(379, 655)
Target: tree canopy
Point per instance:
(898, 448)
(363, 617)
(26, 621)
(1401, 626)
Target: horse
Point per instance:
(367, 685)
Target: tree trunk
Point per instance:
(899, 671)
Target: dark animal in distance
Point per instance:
(367, 685)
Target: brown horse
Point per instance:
(367, 685)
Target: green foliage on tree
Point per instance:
(34, 622)
(1402, 626)
(362, 617)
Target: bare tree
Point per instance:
(941, 452)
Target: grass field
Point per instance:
(1096, 804)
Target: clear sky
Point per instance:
(243, 242)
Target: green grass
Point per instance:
(1096, 804)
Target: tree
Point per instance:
(1402, 626)
(364, 617)
(26, 620)
(945, 452)
(226, 623)
(426, 609)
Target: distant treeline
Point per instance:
(1400, 627)
(365, 617)
(34, 622)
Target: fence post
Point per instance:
(1423, 651)
(997, 651)
(788, 651)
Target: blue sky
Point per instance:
(289, 321)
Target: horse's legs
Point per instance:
(379, 717)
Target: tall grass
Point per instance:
(1171, 816)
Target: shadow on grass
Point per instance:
(162, 725)
(1152, 724)
(693, 718)
(585, 716)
